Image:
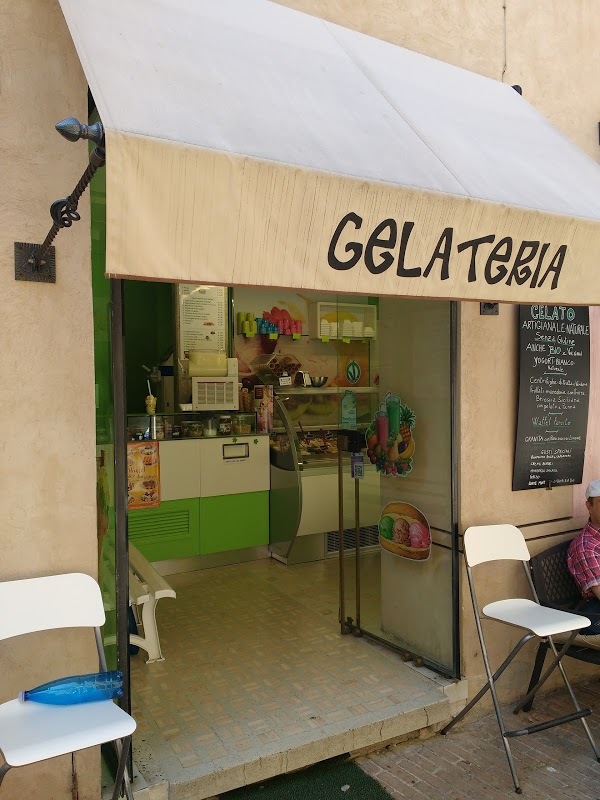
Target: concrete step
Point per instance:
(412, 719)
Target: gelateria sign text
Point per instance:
(489, 259)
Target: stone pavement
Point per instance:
(469, 763)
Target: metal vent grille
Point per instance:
(211, 394)
(368, 537)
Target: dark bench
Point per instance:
(555, 588)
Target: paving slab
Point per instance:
(469, 762)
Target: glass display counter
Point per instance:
(307, 420)
(304, 461)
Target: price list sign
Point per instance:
(554, 383)
(202, 318)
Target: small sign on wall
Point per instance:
(357, 466)
(143, 475)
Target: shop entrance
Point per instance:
(362, 467)
(254, 663)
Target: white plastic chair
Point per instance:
(505, 542)
(31, 732)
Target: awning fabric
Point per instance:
(248, 143)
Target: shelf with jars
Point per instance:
(191, 425)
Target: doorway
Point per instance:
(399, 577)
(254, 662)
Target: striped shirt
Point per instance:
(583, 559)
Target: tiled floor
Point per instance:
(257, 681)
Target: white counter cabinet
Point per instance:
(237, 466)
(213, 467)
(179, 469)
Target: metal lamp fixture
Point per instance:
(37, 262)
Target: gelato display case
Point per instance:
(314, 417)
(304, 459)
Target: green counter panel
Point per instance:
(169, 531)
(234, 521)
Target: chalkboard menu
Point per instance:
(554, 383)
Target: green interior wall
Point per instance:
(149, 335)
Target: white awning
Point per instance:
(251, 144)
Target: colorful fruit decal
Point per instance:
(390, 443)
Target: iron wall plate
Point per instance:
(25, 267)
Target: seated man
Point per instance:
(583, 559)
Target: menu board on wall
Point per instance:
(202, 318)
(554, 383)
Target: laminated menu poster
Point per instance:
(143, 475)
(202, 318)
(554, 384)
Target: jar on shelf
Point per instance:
(210, 426)
(243, 423)
(225, 425)
(196, 430)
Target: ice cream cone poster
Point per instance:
(390, 443)
(405, 532)
(143, 475)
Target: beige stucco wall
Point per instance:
(47, 428)
(553, 56)
(47, 398)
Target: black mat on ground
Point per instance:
(341, 779)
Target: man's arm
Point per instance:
(596, 591)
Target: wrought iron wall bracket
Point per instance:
(37, 262)
(29, 268)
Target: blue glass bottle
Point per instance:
(77, 689)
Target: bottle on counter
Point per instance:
(77, 689)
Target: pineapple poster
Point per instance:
(390, 443)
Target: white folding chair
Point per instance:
(505, 542)
(32, 732)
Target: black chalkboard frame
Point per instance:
(553, 396)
